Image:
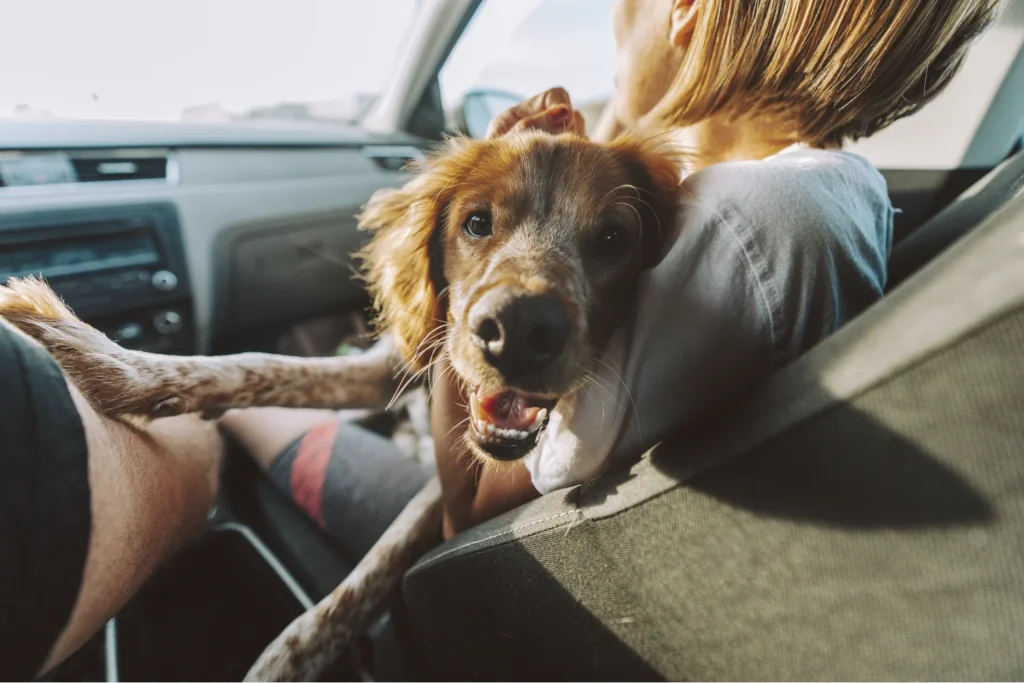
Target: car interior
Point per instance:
(739, 550)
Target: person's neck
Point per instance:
(716, 139)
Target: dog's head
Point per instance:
(518, 257)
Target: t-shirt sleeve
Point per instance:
(703, 332)
(44, 505)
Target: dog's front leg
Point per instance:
(317, 639)
(133, 384)
(212, 385)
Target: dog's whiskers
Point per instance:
(625, 386)
(429, 343)
(458, 424)
(639, 220)
(410, 377)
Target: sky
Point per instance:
(150, 59)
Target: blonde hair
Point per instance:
(834, 69)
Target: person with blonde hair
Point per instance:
(782, 236)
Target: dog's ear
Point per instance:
(402, 262)
(655, 169)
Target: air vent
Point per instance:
(98, 168)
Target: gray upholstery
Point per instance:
(861, 516)
(954, 221)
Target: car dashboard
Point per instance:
(169, 237)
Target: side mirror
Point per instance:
(479, 107)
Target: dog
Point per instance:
(512, 258)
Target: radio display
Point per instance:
(74, 256)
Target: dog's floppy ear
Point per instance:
(401, 263)
(655, 169)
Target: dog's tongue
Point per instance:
(506, 409)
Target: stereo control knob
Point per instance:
(167, 322)
(164, 280)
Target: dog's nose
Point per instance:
(523, 335)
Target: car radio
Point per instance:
(121, 269)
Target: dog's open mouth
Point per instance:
(505, 424)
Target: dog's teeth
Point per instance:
(474, 406)
(490, 429)
(538, 420)
(522, 435)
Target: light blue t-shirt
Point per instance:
(767, 259)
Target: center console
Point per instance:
(121, 268)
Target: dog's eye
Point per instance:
(478, 224)
(611, 240)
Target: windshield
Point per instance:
(196, 60)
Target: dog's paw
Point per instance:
(96, 365)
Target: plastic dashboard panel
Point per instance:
(237, 201)
(282, 270)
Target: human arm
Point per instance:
(151, 493)
(89, 507)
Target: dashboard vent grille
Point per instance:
(92, 169)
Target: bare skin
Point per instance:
(151, 492)
(264, 433)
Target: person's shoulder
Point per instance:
(813, 229)
(803, 204)
(803, 194)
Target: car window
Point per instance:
(513, 49)
(197, 60)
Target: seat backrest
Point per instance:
(859, 516)
(957, 219)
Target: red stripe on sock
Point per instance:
(310, 469)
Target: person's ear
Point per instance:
(682, 21)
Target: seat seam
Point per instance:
(507, 532)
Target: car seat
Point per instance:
(859, 516)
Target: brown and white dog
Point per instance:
(513, 258)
